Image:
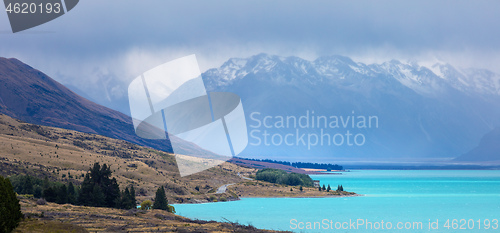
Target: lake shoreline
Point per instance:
(202, 201)
(327, 196)
(395, 196)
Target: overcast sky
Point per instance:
(107, 43)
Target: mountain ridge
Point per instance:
(337, 65)
(488, 149)
(31, 96)
(424, 113)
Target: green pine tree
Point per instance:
(50, 194)
(84, 197)
(10, 210)
(160, 199)
(37, 191)
(132, 200)
(328, 188)
(324, 188)
(127, 199)
(62, 195)
(99, 189)
(27, 185)
(98, 198)
(124, 200)
(71, 193)
(46, 183)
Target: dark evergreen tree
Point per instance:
(50, 194)
(71, 193)
(111, 192)
(132, 199)
(46, 183)
(127, 201)
(37, 191)
(324, 188)
(319, 188)
(160, 199)
(328, 188)
(27, 185)
(10, 210)
(98, 189)
(22, 184)
(62, 194)
(86, 189)
(98, 197)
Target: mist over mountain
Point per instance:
(29, 95)
(392, 112)
(425, 114)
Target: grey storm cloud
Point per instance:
(100, 46)
(108, 26)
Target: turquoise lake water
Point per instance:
(404, 201)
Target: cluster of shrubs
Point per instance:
(98, 189)
(282, 177)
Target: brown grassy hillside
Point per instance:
(66, 155)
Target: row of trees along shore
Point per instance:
(326, 166)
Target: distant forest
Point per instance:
(326, 166)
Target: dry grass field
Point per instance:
(69, 218)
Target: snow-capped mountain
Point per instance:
(425, 80)
(437, 112)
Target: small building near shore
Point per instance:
(316, 183)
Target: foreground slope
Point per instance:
(69, 218)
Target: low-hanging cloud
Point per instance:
(117, 39)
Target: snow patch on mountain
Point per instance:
(432, 80)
